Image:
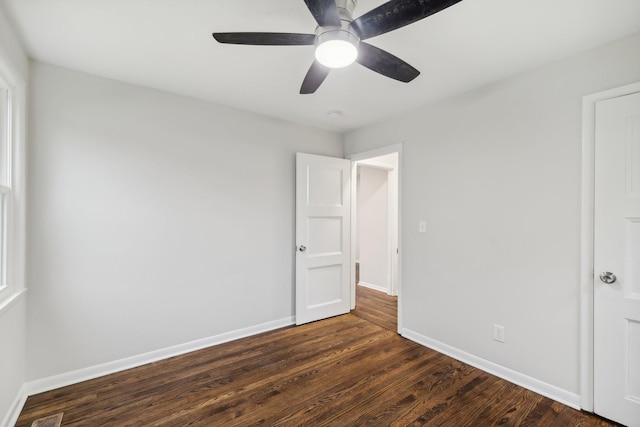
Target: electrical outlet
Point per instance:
(498, 333)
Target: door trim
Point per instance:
(587, 237)
(395, 148)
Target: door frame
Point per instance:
(587, 237)
(395, 148)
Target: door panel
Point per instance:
(617, 251)
(323, 214)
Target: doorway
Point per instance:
(376, 224)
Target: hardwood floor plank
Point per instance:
(348, 370)
(376, 307)
(363, 390)
(427, 407)
(405, 403)
(538, 412)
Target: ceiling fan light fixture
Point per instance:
(336, 48)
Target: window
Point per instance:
(5, 177)
(13, 89)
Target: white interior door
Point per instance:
(617, 260)
(323, 217)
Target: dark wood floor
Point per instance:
(349, 370)
(377, 307)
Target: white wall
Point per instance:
(373, 227)
(496, 174)
(14, 69)
(14, 59)
(13, 356)
(154, 219)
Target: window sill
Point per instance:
(10, 300)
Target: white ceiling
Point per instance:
(167, 44)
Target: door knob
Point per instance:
(302, 248)
(607, 277)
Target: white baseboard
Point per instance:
(11, 417)
(563, 396)
(374, 287)
(73, 377)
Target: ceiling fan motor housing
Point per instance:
(342, 34)
(324, 34)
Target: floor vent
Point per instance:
(51, 421)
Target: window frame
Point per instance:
(12, 216)
(5, 178)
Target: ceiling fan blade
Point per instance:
(314, 78)
(396, 14)
(267, 39)
(325, 12)
(385, 63)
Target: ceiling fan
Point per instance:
(339, 38)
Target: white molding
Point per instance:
(395, 148)
(548, 390)
(587, 238)
(363, 163)
(354, 231)
(15, 409)
(377, 152)
(393, 229)
(73, 377)
(6, 304)
(15, 236)
(374, 287)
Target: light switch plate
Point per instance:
(422, 226)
